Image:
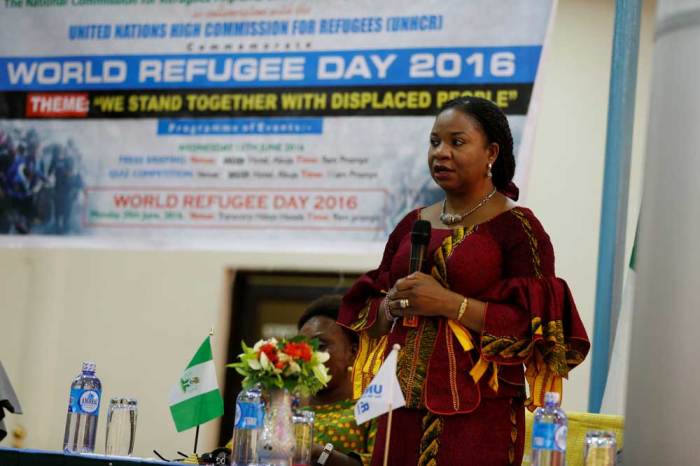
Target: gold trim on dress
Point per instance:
(430, 439)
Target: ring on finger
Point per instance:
(404, 303)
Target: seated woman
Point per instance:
(335, 420)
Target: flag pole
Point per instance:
(388, 436)
(196, 438)
(196, 432)
(387, 441)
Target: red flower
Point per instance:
(270, 351)
(298, 351)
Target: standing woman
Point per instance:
(491, 311)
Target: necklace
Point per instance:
(453, 219)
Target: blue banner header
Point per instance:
(485, 65)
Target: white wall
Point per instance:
(662, 403)
(565, 188)
(140, 315)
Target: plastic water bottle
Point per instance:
(247, 426)
(549, 430)
(83, 410)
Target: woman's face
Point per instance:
(459, 152)
(333, 339)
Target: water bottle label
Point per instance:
(248, 416)
(84, 401)
(547, 436)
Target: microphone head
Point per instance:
(420, 234)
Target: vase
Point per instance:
(277, 440)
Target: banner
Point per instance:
(242, 122)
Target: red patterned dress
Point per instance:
(465, 391)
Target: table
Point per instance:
(14, 457)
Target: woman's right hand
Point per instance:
(422, 295)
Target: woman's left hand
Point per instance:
(420, 294)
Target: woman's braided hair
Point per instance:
(495, 125)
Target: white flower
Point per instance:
(322, 356)
(259, 344)
(254, 364)
(264, 361)
(293, 368)
(321, 373)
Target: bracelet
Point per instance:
(462, 309)
(387, 312)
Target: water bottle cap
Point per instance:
(89, 366)
(551, 398)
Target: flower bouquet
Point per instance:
(295, 364)
(281, 368)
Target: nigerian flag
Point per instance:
(195, 398)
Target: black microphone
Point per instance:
(420, 238)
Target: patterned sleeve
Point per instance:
(360, 305)
(531, 316)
